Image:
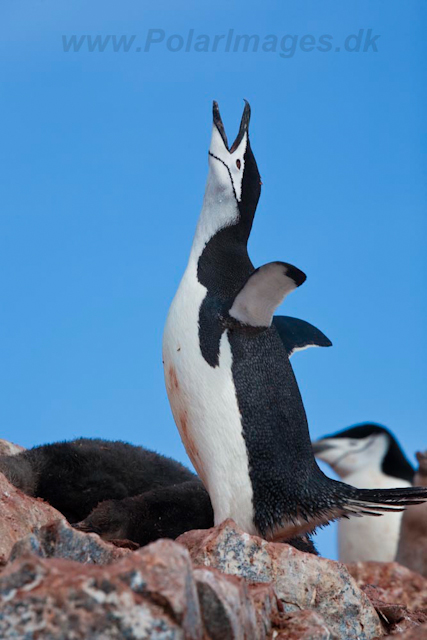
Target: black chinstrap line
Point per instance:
(229, 172)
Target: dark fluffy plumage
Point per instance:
(117, 490)
(74, 477)
(164, 512)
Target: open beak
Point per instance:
(244, 126)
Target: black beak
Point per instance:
(244, 125)
(320, 446)
(86, 528)
(218, 123)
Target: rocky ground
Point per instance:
(60, 584)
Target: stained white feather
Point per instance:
(210, 430)
(203, 397)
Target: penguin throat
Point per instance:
(224, 264)
(223, 268)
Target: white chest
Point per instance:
(205, 409)
(370, 538)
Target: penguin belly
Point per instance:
(204, 405)
(365, 539)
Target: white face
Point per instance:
(223, 190)
(227, 168)
(350, 455)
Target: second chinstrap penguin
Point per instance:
(367, 455)
(229, 380)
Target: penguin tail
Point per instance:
(332, 500)
(376, 502)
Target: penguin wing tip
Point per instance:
(298, 276)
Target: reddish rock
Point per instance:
(149, 594)
(395, 584)
(167, 571)
(302, 625)
(395, 618)
(226, 607)
(19, 514)
(266, 605)
(232, 608)
(59, 540)
(243, 588)
(418, 633)
(300, 580)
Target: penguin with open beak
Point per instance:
(229, 380)
(367, 455)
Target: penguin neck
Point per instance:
(219, 250)
(224, 265)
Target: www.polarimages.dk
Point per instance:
(363, 41)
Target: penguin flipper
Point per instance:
(263, 292)
(297, 334)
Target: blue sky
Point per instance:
(104, 161)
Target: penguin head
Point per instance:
(109, 520)
(365, 447)
(234, 167)
(234, 185)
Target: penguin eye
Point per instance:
(238, 164)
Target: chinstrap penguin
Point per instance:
(118, 490)
(367, 456)
(412, 548)
(230, 384)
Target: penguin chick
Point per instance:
(231, 386)
(367, 455)
(74, 477)
(412, 549)
(165, 512)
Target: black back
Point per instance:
(284, 474)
